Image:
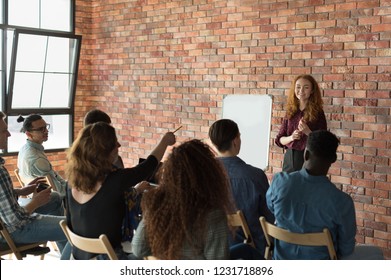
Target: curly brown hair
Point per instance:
(315, 102)
(89, 156)
(192, 184)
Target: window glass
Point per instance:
(60, 52)
(38, 67)
(23, 13)
(31, 51)
(42, 14)
(56, 91)
(58, 133)
(44, 72)
(1, 11)
(56, 14)
(27, 90)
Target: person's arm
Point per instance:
(40, 167)
(38, 200)
(143, 171)
(167, 140)
(322, 122)
(30, 187)
(263, 208)
(283, 138)
(319, 124)
(346, 228)
(140, 246)
(270, 194)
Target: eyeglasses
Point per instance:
(42, 128)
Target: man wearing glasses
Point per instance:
(33, 162)
(22, 221)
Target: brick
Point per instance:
(381, 27)
(382, 234)
(354, 74)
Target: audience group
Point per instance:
(185, 216)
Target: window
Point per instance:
(39, 64)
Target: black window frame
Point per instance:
(7, 81)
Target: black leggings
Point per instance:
(293, 160)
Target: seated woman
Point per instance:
(96, 203)
(186, 216)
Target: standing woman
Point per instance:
(304, 114)
(96, 202)
(186, 216)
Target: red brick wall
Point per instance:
(154, 64)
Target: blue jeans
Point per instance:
(53, 207)
(46, 228)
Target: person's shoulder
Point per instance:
(282, 176)
(250, 168)
(340, 195)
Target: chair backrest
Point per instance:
(238, 220)
(100, 245)
(151, 258)
(306, 239)
(16, 172)
(20, 250)
(49, 180)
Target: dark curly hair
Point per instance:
(192, 184)
(323, 144)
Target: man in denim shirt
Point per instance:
(248, 183)
(306, 201)
(32, 161)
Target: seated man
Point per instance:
(24, 225)
(248, 183)
(32, 161)
(306, 201)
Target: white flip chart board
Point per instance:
(252, 113)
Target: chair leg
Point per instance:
(54, 245)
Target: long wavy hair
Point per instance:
(89, 157)
(314, 105)
(192, 184)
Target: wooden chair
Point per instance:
(16, 172)
(306, 239)
(238, 220)
(49, 180)
(99, 245)
(20, 250)
(151, 258)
